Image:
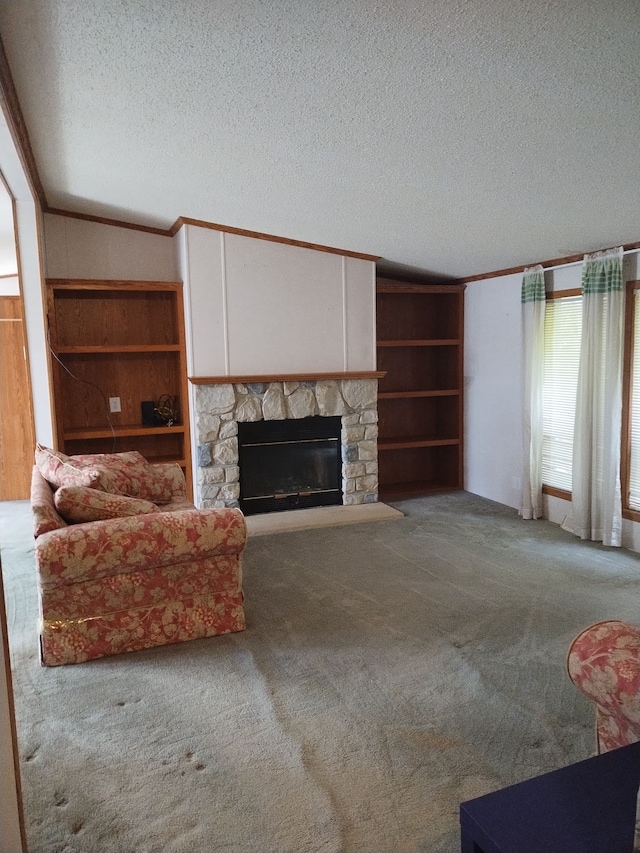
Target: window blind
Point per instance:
(562, 335)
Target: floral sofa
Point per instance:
(124, 561)
(604, 663)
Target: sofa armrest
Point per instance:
(43, 509)
(118, 545)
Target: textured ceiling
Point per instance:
(457, 136)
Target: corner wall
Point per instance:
(493, 390)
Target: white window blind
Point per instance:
(562, 334)
(634, 410)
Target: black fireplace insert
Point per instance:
(290, 464)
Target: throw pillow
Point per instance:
(79, 503)
(59, 470)
(126, 473)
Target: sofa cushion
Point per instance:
(126, 473)
(58, 470)
(78, 504)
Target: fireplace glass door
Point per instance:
(289, 464)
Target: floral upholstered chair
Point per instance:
(603, 663)
(124, 561)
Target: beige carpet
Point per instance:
(389, 671)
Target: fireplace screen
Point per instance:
(289, 464)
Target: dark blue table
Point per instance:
(587, 807)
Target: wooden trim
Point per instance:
(556, 493)
(563, 294)
(286, 377)
(631, 514)
(421, 288)
(550, 264)
(103, 220)
(241, 232)
(201, 223)
(17, 127)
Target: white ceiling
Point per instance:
(457, 137)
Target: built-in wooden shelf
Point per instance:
(414, 441)
(118, 339)
(114, 350)
(445, 342)
(134, 429)
(397, 491)
(399, 395)
(420, 348)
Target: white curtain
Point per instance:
(533, 309)
(596, 493)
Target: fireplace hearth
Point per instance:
(289, 464)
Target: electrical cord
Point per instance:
(95, 385)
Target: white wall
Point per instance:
(27, 229)
(77, 248)
(493, 383)
(256, 307)
(493, 365)
(9, 285)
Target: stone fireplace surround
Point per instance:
(220, 405)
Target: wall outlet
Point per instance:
(114, 404)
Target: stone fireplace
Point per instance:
(221, 405)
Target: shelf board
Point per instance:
(399, 395)
(110, 285)
(414, 441)
(397, 491)
(125, 348)
(430, 342)
(133, 429)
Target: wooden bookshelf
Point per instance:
(420, 340)
(118, 339)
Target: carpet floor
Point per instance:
(390, 670)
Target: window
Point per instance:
(562, 335)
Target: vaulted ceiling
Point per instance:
(456, 137)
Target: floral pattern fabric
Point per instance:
(127, 473)
(79, 503)
(45, 515)
(55, 468)
(120, 545)
(130, 583)
(604, 663)
(79, 640)
(103, 597)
